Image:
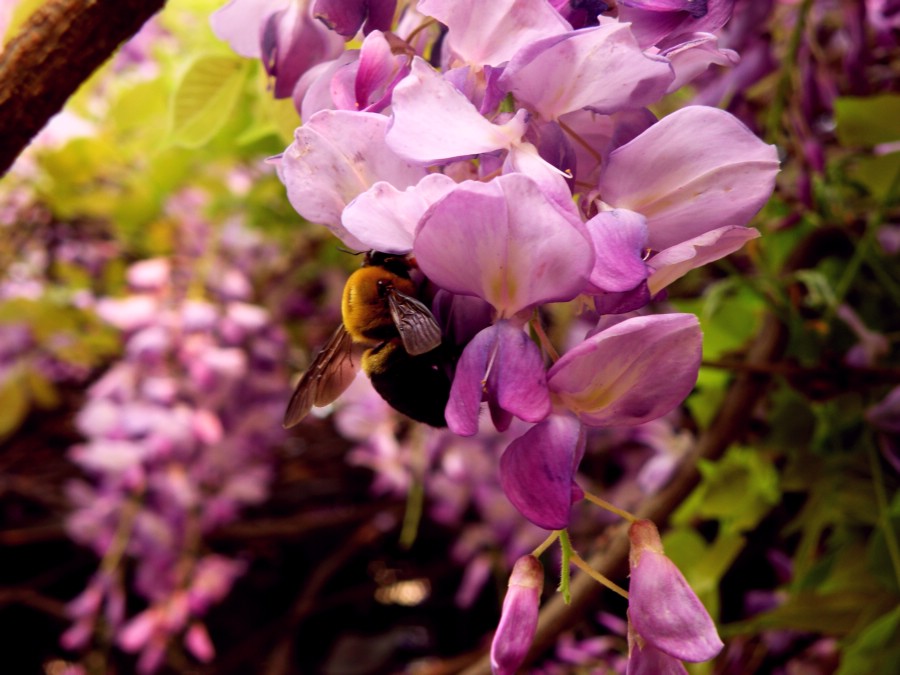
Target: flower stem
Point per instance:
(594, 574)
(603, 504)
(544, 545)
(565, 571)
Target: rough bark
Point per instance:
(55, 50)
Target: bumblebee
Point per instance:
(401, 341)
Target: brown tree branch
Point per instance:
(57, 49)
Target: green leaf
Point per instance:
(876, 173)
(830, 613)
(742, 471)
(41, 389)
(867, 121)
(13, 402)
(876, 650)
(205, 98)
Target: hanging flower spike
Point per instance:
(663, 609)
(518, 619)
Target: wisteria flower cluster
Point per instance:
(178, 440)
(508, 147)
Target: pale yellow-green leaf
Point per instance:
(205, 98)
(13, 402)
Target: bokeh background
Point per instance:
(158, 293)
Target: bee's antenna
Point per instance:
(345, 250)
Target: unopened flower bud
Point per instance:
(518, 620)
(664, 611)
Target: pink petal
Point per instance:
(600, 68)
(385, 219)
(292, 42)
(239, 22)
(678, 260)
(504, 242)
(655, 20)
(697, 160)
(489, 33)
(537, 471)
(664, 610)
(518, 620)
(619, 238)
(336, 156)
(630, 373)
(647, 660)
(504, 361)
(433, 120)
(693, 57)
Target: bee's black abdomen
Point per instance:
(417, 386)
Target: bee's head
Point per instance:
(392, 262)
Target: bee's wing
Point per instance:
(418, 329)
(330, 373)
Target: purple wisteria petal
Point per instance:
(505, 242)
(620, 239)
(600, 68)
(502, 362)
(239, 23)
(292, 42)
(694, 56)
(313, 91)
(336, 156)
(655, 20)
(662, 607)
(385, 218)
(489, 33)
(631, 372)
(525, 159)
(432, 120)
(676, 261)
(623, 301)
(644, 659)
(378, 72)
(345, 17)
(518, 619)
(538, 468)
(695, 170)
(602, 134)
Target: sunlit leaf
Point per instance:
(205, 98)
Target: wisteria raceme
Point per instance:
(178, 440)
(516, 161)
